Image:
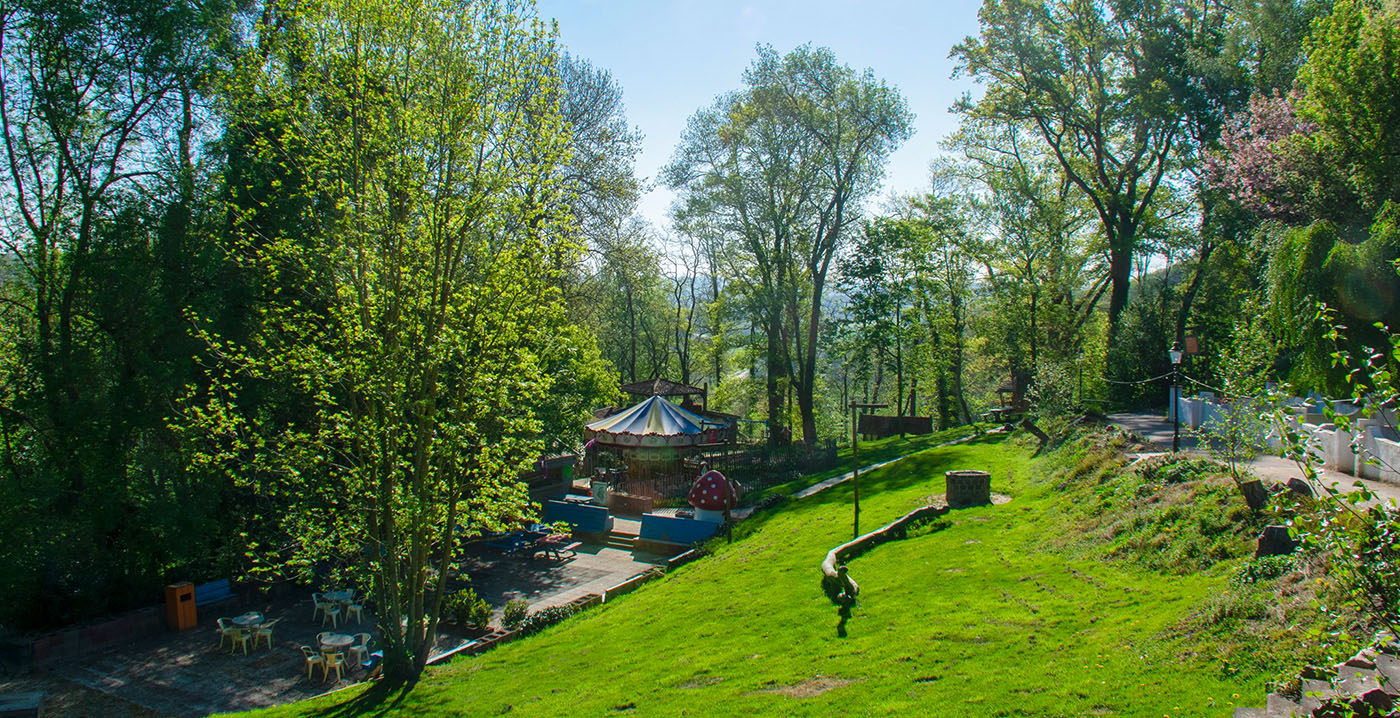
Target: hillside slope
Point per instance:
(989, 615)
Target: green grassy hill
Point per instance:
(1033, 608)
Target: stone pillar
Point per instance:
(968, 488)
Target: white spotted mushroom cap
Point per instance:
(713, 492)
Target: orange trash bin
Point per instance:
(179, 606)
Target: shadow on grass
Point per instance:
(381, 698)
(845, 613)
(919, 466)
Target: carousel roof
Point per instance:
(653, 421)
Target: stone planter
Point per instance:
(968, 488)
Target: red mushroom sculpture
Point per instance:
(711, 496)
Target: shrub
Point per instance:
(544, 618)
(1263, 568)
(468, 609)
(515, 612)
(771, 501)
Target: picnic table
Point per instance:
(555, 545)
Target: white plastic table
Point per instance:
(336, 642)
(251, 618)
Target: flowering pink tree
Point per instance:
(1261, 163)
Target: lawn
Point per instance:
(981, 618)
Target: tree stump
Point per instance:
(968, 488)
(1275, 541)
(1255, 494)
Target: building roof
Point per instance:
(661, 387)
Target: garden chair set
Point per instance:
(332, 650)
(250, 627)
(330, 605)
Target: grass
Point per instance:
(994, 615)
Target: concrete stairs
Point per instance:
(621, 539)
(1368, 684)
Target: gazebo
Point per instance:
(651, 439)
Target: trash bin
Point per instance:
(179, 606)
(600, 492)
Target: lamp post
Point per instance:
(1175, 354)
(855, 457)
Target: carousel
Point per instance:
(643, 450)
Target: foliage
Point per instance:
(544, 618)
(779, 169)
(409, 328)
(515, 612)
(1237, 433)
(1352, 81)
(1321, 263)
(467, 609)
(1361, 543)
(1263, 569)
(102, 249)
(1093, 81)
(1052, 393)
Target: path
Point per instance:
(1158, 430)
(833, 481)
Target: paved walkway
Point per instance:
(547, 582)
(833, 481)
(1158, 430)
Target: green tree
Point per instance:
(410, 328)
(101, 129)
(781, 169)
(1090, 77)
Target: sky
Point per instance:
(673, 57)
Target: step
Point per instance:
(1280, 707)
(1314, 688)
(1388, 667)
(628, 543)
(1356, 681)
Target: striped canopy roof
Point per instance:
(654, 422)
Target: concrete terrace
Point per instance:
(175, 675)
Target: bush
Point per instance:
(544, 618)
(1263, 568)
(468, 609)
(515, 612)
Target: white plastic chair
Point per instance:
(313, 659)
(360, 650)
(264, 631)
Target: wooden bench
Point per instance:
(213, 592)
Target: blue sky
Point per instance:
(674, 57)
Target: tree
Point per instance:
(409, 330)
(1040, 262)
(782, 168)
(101, 122)
(1091, 78)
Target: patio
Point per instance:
(170, 674)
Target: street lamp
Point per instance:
(1176, 354)
(855, 457)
